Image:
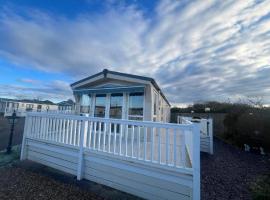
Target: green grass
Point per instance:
(261, 188)
(14, 156)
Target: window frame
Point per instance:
(137, 117)
(89, 106)
(155, 105)
(110, 101)
(105, 105)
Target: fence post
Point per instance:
(80, 159)
(196, 162)
(211, 135)
(26, 125)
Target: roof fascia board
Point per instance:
(86, 81)
(110, 90)
(126, 78)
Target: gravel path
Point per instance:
(30, 181)
(228, 173)
(224, 175)
(18, 183)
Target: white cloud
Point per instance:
(55, 90)
(196, 50)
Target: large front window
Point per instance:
(116, 102)
(135, 105)
(100, 105)
(85, 103)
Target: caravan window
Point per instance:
(100, 105)
(135, 111)
(116, 102)
(85, 103)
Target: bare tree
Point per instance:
(256, 101)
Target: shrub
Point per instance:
(261, 188)
(251, 127)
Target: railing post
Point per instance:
(26, 125)
(80, 159)
(196, 161)
(211, 135)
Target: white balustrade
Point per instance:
(164, 144)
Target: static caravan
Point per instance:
(111, 94)
(119, 145)
(67, 106)
(21, 107)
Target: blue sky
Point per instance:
(196, 50)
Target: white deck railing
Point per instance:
(206, 128)
(205, 124)
(169, 146)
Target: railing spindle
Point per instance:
(32, 127)
(114, 141)
(46, 128)
(78, 132)
(159, 146)
(174, 149)
(64, 131)
(183, 149)
(109, 139)
(54, 128)
(139, 142)
(90, 133)
(104, 135)
(43, 127)
(40, 127)
(58, 129)
(99, 134)
(75, 132)
(126, 140)
(120, 139)
(145, 142)
(67, 132)
(167, 146)
(152, 143)
(49, 127)
(95, 133)
(71, 132)
(132, 141)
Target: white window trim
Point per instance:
(127, 110)
(155, 116)
(93, 104)
(107, 105)
(125, 105)
(80, 103)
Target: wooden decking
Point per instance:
(147, 159)
(135, 148)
